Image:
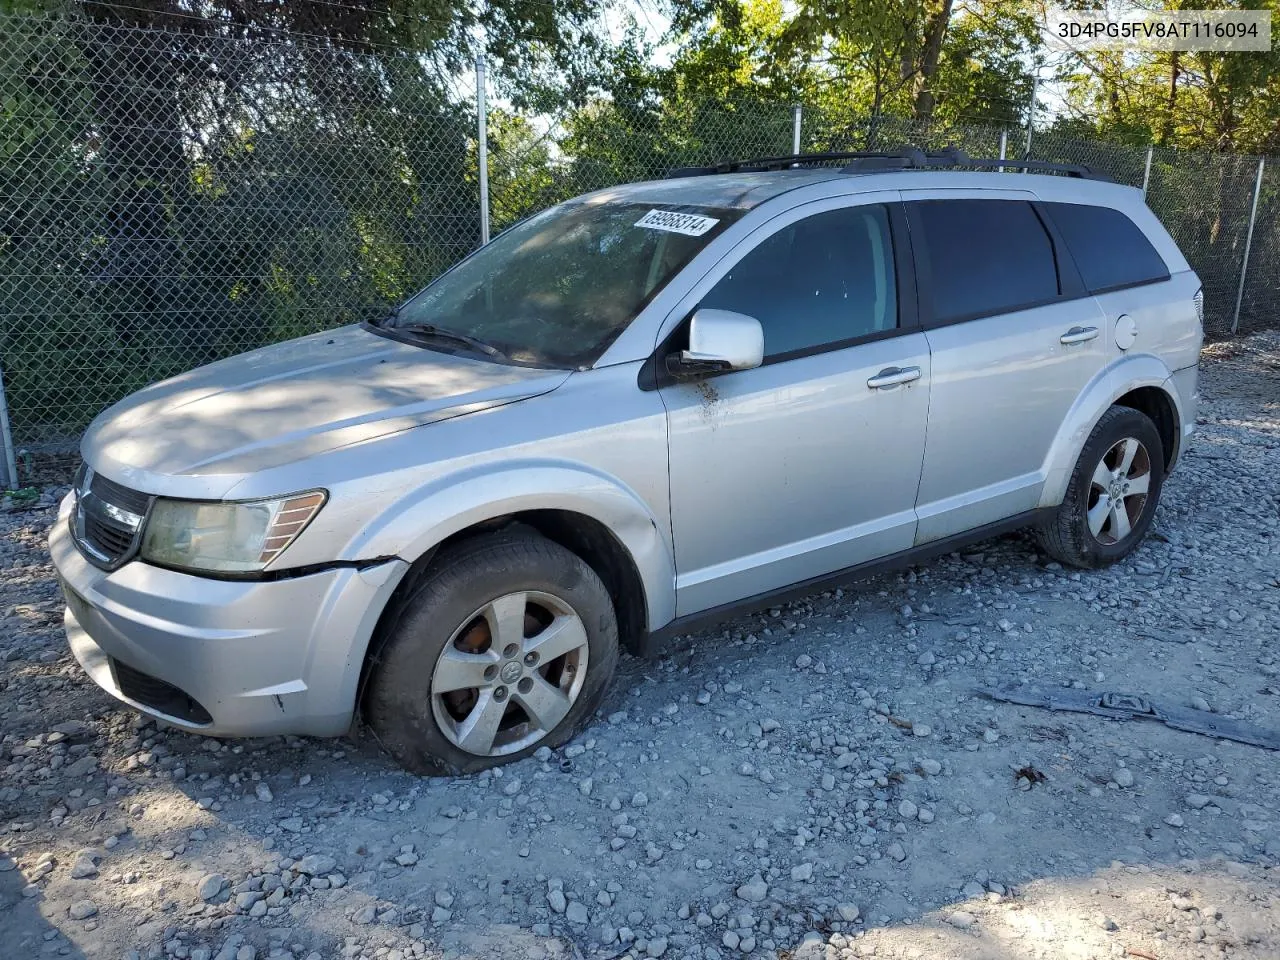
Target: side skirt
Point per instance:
(653, 642)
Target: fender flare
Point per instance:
(427, 515)
(1108, 386)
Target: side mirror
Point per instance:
(718, 340)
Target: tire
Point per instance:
(459, 624)
(1070, 537)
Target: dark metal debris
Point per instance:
(1125, 706)
(1029, 774)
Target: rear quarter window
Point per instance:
(1109, 249)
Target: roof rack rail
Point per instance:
(787, 162)
(910, 158)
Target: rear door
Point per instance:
(1014, 339)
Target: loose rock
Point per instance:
(754, 890)
(82, 910)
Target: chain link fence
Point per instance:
(607, 143)
(172, 196)
(1260, 305)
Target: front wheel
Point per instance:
(1112, 495)
(507, 644)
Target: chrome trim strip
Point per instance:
(130, 520)
(90, 502)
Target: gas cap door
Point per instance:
(1126, 331)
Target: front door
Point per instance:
(809, 463)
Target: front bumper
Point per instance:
(247, 658)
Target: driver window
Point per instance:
(819, 281)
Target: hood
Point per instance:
(294, 400)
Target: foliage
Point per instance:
(905, 57)
(191, 217)
(181, 182)
(1199, 100)
(22, 498)
(180, 187)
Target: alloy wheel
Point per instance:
(1118, 490)
(509, 674)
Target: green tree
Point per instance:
(918, 58)
(1203, 100)
(181, 186)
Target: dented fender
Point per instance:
(425, 516)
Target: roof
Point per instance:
(743, 184)
(727, 191)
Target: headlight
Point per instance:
(226, 537)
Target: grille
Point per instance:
(122, 497)
(106, 539)
(159, 696)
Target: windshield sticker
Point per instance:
(690, 224)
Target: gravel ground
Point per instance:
(816, 781)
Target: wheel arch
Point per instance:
(579, 533)
(1161, 408)
(1141, 383)
(593, 515)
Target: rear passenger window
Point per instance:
(985, 257)
(1109, 248)
(816, 282)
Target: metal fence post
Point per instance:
(1031, 118)
(796, 119)
(9, 475)
(482, 141)
(1248, 242)
(1004, 146)
(1146, 171)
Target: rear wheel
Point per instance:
(1112, 495)
(508, 643)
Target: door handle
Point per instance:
(1079, 335)
(892, 376)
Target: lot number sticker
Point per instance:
(690, 224)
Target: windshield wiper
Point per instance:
(431, 332)
(385, 320)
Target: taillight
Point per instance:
(1198, 300)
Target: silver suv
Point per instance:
(652, 406)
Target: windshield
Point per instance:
(558, 288)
